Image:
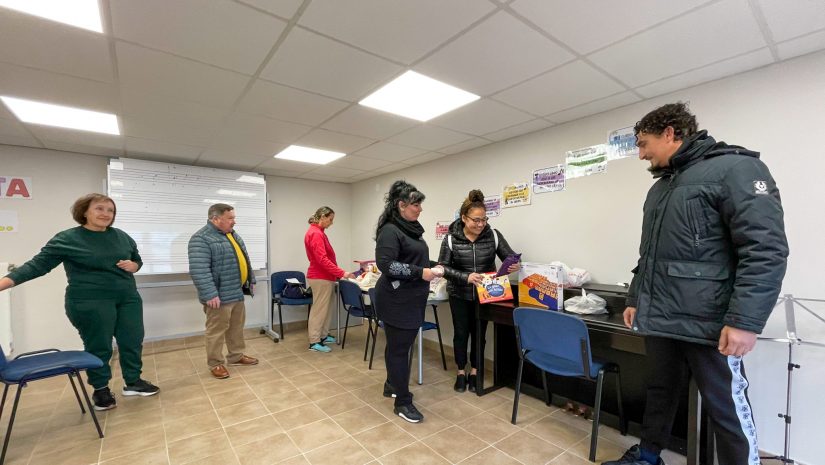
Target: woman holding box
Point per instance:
(469, 249)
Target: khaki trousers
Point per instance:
(319, 316)
(224, 325)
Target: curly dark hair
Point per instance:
(81, 206)
(676, 115)
(475, 199)
(400, 191)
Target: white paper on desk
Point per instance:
(293, 281)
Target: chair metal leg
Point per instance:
(369, 335)
(438, 331)
(597, 410)
(76, 394)
(547, 395)
(518, 389)
(281, 321)
(11, 422)
(3, 402)
(374, 342)
(346, 325)
(89, 404)
(622, 418)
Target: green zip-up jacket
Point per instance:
(90, 260)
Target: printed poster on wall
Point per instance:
(441, 229)
(15, 187)
(492, 204)
(8, 221)
(621, 143)
(548, 179)
(586, 161)
(515, 195)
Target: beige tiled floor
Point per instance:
(295, 407)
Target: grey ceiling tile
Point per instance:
(223, 33)
(586, 25)
(287, 104)
(562, 88)
(367, 122)
(592, 108)
(481, 116)
(707, 73)
(389, 152)
(335, 141)
(38, 43)
(728, 29)
(518, 130)
(403, 31)
(156, 73)
(788, 20)
(801, 46)
(311, 62)
(495, 54)
(428, 137)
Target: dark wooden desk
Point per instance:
(611, 340)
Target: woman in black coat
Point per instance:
(469, 249)
(402, 256)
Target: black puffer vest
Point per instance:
(465, 257)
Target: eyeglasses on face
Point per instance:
(478, 220)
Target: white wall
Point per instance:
(596, 223)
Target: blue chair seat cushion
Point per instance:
(288, 301)
(48, 364)
(428, 325)
(561, 366)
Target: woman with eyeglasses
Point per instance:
(469, 249)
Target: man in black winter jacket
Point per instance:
(712, 258)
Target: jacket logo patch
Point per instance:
(760, 187)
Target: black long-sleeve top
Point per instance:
(401, 293)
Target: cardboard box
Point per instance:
(540, 285)
(494, 289)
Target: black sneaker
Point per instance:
(140, 388)
(103, 399)
(460, 383)
(388, 390)
(633, 456)
(409, 413)
(471, 383)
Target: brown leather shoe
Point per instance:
(219, 372)
(246, 360)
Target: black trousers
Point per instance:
(464, 329)
(397, 360)
(724, 388)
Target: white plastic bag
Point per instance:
(367, 280)
(586, 304)
(573, 277)
(438, 289)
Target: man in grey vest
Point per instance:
(712, 258)
(220, 268)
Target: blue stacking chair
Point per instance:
(352, 299)
(42, 364)
(559, 343)
(278, 283)
(426, 326)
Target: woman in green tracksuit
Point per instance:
(101, 300)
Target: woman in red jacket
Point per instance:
(322, 273)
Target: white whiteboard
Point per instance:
(162, 204)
